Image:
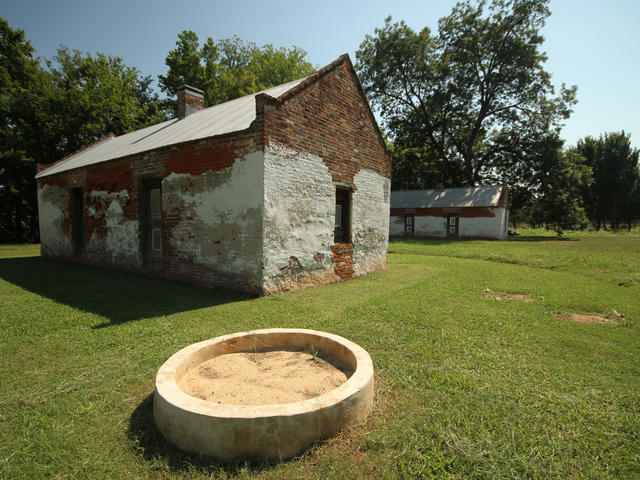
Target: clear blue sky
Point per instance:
(590, 43)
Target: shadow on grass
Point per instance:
(149, 443)
(118, 296)
(540, 238)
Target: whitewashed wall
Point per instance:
(219, 218)
(485, 227)
(428, 226)
(121, 245)
(53, 203)
(299, 205)
(370, 221)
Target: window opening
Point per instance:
(453, 222)
(409, 221)
(341, 233)
(152, 219)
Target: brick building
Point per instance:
(472, 212)
(272, 191)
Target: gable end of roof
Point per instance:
(311, 79)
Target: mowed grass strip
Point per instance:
(467, 386)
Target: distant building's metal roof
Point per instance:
(447, 197)
(219, 119)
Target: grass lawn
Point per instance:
(467, 386)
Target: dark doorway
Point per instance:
(453, 224)
(341, 231)
(152, 219)
(77, 220)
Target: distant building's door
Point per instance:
(152, 220)
(453, 224)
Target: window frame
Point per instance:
(342, 231)
(412, 224)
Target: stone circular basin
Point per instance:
(274, 431)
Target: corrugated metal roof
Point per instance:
(224, 118)
(447, 197)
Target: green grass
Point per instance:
(466, 386)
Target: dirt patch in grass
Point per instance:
(523, 297)
(589, 318)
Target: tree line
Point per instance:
(50, 108)
(472, 104)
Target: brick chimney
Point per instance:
(190, 100)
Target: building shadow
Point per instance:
(117, 296)
(148, 442)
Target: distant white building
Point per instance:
(465, 212)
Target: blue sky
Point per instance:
(592, 44)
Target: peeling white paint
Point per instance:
(370, 221)
(108, 198)
(299, 206)
(53, 212)
(121, 245)
(219, 217)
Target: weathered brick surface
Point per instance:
(186, 100)
(464, 212)
(104, 182)
(325, 117)
(329, 117)
(343, 260)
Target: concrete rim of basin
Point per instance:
(262, 431)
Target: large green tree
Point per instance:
(92, 96)
(559, 205)
(230, 68)
(50, 110)
(18, 78)
(469, 96)
(616, 178)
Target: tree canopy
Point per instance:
(230, 68)
(52, 108)
(465, 99)
(616, 178)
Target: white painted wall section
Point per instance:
(299, 206)
(396, 226)
(429, 226)
(219, 217)
(484, 227)
(53, 203)
(370, 221)
(121, 245)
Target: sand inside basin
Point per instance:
(264, 378)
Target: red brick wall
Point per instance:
(127, 174)
(326, 116)
(329, 117)
(464, 212)
(185, 101)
